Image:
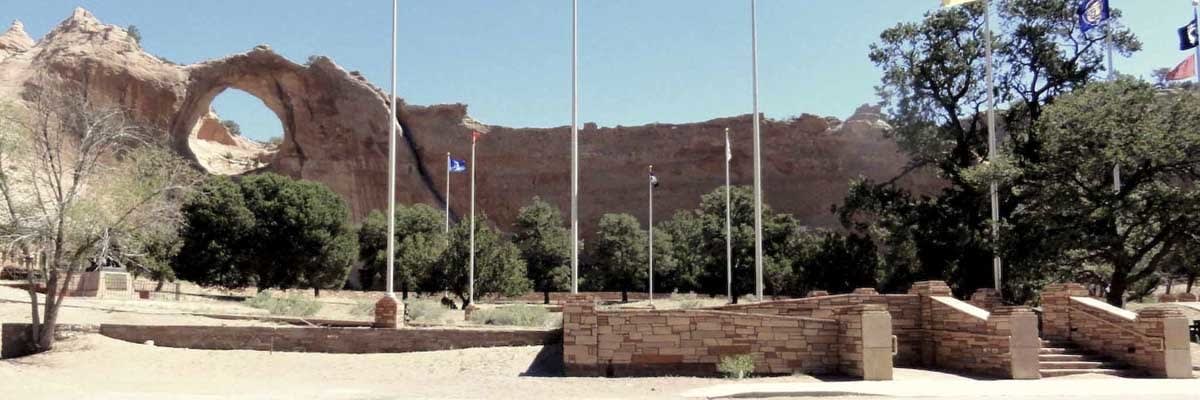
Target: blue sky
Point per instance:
(642, 61)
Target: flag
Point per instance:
(1184, 70)
(457, 165)
(1187, 36)
(653, 179)
(1092, 13)
(728, 150)
(952, 3)
(475, 136)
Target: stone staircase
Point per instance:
(1064, 358)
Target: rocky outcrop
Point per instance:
(14, 40)
(336, 132)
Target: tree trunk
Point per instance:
(1116, 290)
(316, 291)
(158, 287)
(1170, 282)
(624, 295)
(1191, 280)
(546, 297)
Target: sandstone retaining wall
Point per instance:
(1153, 340)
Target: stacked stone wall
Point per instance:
(1153, 340)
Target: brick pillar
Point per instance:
(925, 290)
(1175, 359)
(866, 341)
(581, 336)
(986, 298)
(389, 313)
(1056, 309)
(1020, 325)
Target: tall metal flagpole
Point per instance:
(391, 243)
(758, 246)
(728, 223)
(471, 271)
(574, 146)
(651, 183)
(1112, 74)
(1196, 16)
(987, 26)
(447, 192)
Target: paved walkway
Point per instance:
(913, 384)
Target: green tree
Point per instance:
(544, 245)
(935, 97)
(499, 268)
(1152, 136)
(619, 254)
(686, 236)
(232, 126)
(134, 33)
(420, 241)
(266, 230)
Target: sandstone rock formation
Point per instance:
(336, 129)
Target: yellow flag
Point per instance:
(952, 3)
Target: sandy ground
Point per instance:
(14, 307)
(96, 367)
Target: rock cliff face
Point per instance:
(336, 130)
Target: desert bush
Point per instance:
(424, 310)
(687, 301)
(517, 315)
(290, 305)
(736, 366)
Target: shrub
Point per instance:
(687, 301)
(424, 310)
(291, 305)
(737, 366)
(517, 315)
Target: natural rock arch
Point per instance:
(334, 123)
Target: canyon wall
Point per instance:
(336, 129)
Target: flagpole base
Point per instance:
(389, 313)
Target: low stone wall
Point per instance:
(959, 336)
(16, 339)
(315, 340)
(1153, 340)
(904, 310)
(692, 342)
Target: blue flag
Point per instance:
(457, 165)
(1092, 13)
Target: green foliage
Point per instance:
(499, 268)
(619, 254)
(935, 100)
(420, 242)
(514, 315)
(545, 246)
(268, 231)
(424, 310)
(291, 305)
(134, 33)
(232, 126)
(1152, 135)
(736, 366)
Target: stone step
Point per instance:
(1050, 373)
(1057, 343)
(1058, 350)
(1065, 357)
(1088, 365)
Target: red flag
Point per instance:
(1184, 70)
(475, 136)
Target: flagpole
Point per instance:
(1112, 74)
(471, 271)
(447, 192)
(1196, 17)
(987, 17)
(651, 182)
(391, 233)
(728, 224)
(758, 239)
(574, 147)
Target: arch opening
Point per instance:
(237, 134)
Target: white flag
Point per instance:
(728, 150)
